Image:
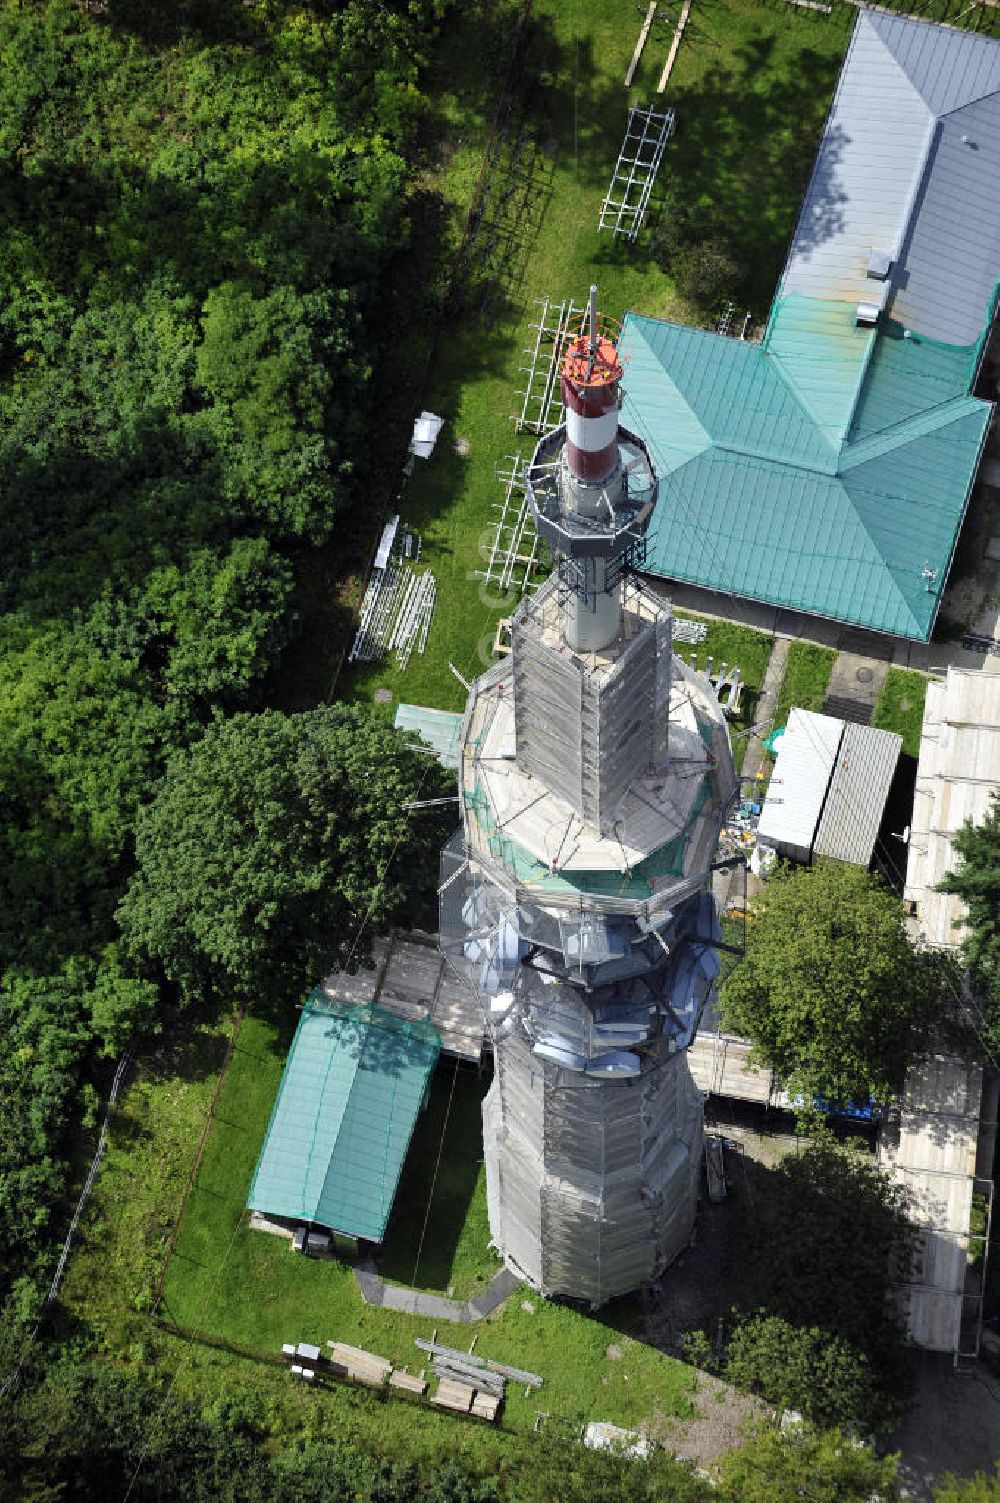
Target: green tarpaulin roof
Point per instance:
(826, 470)
(353, 1084)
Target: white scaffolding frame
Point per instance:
(515, 540)
(627, 199)
(555, 326)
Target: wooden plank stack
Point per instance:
(466, 1384)
(359, 1365)
(452, 1395)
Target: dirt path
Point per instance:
(721, 1414)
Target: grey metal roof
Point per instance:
(893, 173)
(949, 68)
(807, 755)
(952, 258)
(856, 798)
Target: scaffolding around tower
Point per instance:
(595, 771)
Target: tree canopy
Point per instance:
(267, 851)
(831, 1233)
(831, 992)
(806, 1465)
(200, 207)
(976, 880)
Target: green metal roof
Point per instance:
(441, 729)
(824, 470)
(353, 1085)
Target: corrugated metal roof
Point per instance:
(856, 798)
(783, 528)
(721, 394)
(807, 753)
(949, 68)
(867, 172)
(353, 1084)
(441, 729)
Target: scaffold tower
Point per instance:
(627, 199)
(595, 774)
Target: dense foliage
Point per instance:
(200, 206)
(976, 880)
(805, 1368)
(820, 1335)
(87, 1434)
(831, 991)
(84, 1433)
(267, 852)
(804, 1465)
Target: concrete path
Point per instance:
(375, 1291)
(766, 705)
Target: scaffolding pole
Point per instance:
(515, 540)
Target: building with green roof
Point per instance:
(828, 469)
(354, 1082)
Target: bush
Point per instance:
(807, 1368)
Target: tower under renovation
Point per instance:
(595, 772)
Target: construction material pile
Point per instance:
(470, 1384)
(395, 614)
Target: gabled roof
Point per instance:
(908, 164)
(828, 469)
(353, 1084)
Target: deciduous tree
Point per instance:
(976, 880)
(278, 845)
(804, 1465)
(831, 992)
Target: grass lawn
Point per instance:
(454, 1258)
(751, 88)
(807, 674)
(250, 1289)
(900, 707)
(749, 650)
(120, 1248)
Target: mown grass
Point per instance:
(751, 87)
(807, 674)
(739, 646)
(251, 1290)
(900, 707)
(438, 1234)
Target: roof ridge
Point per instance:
(918, 425)
(899, 26)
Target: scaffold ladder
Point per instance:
(555, 326)
(515, 541)
(627, 199)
